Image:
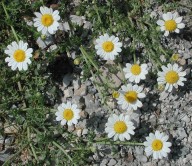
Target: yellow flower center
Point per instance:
(157, 145)
(130, 96)
(68, 114)
(108, 46)
(136, 69)
(19, 55)
(175, 57)
(115, 94)
(120, 127)
(170, 25)
(171, 77)
(47, 20)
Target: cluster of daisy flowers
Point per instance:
(129, 96)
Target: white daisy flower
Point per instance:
(172, 76)
(119, 127)
(171, 23)
(19, 55)
(135, 72)
(108, 47)
(67, 113)
(47, 20)
(157, 145)
(129, 97)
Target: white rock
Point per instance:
(82, 91)
(85, 131)
(112, 162)
(68, 92)
(76, 84)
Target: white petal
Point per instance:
(178, 20)
(166, 33)
(181, 25)
(160, 22)
(177, 30)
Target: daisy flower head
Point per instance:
(108, 47)
(171, 23)
(172, 76)
(115, 94)
(135, 72)
(157, 145)
(67, 113)
(129, 97)
(120, 127)
(47, 20)
(19, 55)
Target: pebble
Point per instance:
(76, 84)
(112, 162)
(82, 91)
(68, 92)
(181, 134)
(67, 80)
(85, 131)
(142, 158)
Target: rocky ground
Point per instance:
(168, 112)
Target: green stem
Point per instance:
(20, 89)
(88, 59)
(87, 56)
(30, 144)
(162, 50)
(120, 143)
(61, 148)
(87, 62)
(99, 18)
(121, 70)
(12, 28)
(108, 142)
(134, 54)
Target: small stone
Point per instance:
(4, 156)
(163, 95)
(112, 162)
(67, 80)
(9, 141)
(71, 128)
(135, 118)
(79, 101)
(76, 84)
(142, 158)
(90, 104)
(185, 118)
(181, 133)
(52, 48)
(85, 131)
(104, 162)
(79, 131)
(182, 61)
(64, 26)
(130, 157)
(139, 150)
(83, 114)
(10, 128)
(111, 103)
(68, 92)
(82, 91)
(95, 156)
